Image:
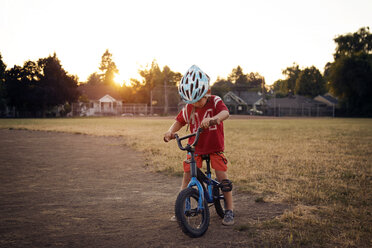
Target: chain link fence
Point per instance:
(317, 110)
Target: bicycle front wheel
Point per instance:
(192, 221)
(219, 201)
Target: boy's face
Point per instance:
(201, 102)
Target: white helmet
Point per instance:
(194, 85)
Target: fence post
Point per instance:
(302, 110)
(333, 110)
(317, 110)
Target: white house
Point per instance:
(99, 100)
(106, 105)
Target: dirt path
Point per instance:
(68, 190)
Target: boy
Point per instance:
(202, 107)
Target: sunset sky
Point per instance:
(260, 36)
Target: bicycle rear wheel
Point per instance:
(192, 221)
(219, 201)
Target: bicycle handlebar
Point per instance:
(197, 134)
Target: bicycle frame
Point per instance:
(194, 182)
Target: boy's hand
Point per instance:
(168, 136)
(206, 122)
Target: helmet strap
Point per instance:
(192, 118)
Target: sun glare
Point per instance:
(118, 79)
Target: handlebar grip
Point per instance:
(213, 122)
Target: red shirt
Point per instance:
(211, 140)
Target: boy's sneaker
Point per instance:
(228, 219)
(173, 218)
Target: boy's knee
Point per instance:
(226, 185)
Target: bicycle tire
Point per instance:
(219, 201)
(193, 223)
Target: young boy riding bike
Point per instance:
(200, 109)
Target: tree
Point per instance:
(310, 83)
(280, 87)
(2, 69)
(57, 86)
(350, 75)
(94, 79)
(2, 86)
(351, 80)
(356, 43)
(108, 68)
(22, 90)
(237, 77)
(238, 82)
(256, 82)
(154, 77)
(292, 74)
(221, 87)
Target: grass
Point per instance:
(321, 166)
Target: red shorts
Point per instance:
(218, 162)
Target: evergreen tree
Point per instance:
(108, 68)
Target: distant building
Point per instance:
(296, 105)
(328, 99)
(102, 100)
(244, 103)
(235, 104)
(254, 100)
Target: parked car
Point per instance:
(255, 112)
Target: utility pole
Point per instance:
(151, 112)
(263, 96)
(165, 95)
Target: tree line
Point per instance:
(38, 87)
(348, 77)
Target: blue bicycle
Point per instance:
(191, 208)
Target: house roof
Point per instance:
(295, 101)
(107, 98)
(329, 98)
(96, 92)
(230, 95)
(249, 97)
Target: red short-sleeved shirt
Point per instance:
(212, 139)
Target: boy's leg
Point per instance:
(186, 170)
(228, 195)
(185, 180)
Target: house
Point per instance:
(254, 100)
(235, 104)
(98, 100)
(328, 99)
(243, 102)
(296, 105)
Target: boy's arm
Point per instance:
(169, 135)
(221, 116)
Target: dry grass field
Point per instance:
(322, 167)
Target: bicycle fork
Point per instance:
(194, 182)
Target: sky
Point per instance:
(263, 36)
